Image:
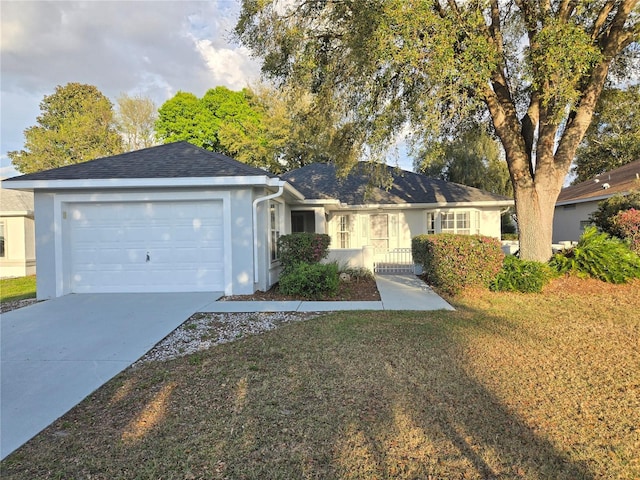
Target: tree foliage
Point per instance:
(613, 138)
(135, 118)
(472, 158)
(605, 214)
(277, 129)
(76, 125)
(380, 66)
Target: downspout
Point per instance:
(256, 277)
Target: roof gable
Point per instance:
(172, 160)
(619, 180)
(320, 181)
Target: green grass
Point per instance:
(509, 386)
(12, 289)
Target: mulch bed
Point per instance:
(360, 290)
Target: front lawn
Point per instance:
(509, 386)
(12, 289)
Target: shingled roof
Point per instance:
(621, 180)
(172, 160)
(14, 201)
(319, 181)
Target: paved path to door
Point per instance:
(397, 292)
(55, 353)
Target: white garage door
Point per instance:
(146, 247)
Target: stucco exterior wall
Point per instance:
(567, 218)
(52, 242)
(19, 255)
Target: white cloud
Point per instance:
(227, 66)
(153, 48)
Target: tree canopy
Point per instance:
(613, 138)
(266, 127)
(471, 158)
(382, 67)
(135, 118)
(76, 125)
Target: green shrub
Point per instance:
(609, 208)
(626, 225)
(599, 256)
(453, 262)
(298, 248)
(312, 281)
(521, 276)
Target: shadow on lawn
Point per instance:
(438, 422)
(349, 396)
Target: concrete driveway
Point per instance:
(55, 353)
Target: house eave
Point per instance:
(421, 206)
(16, 213)
(79, 184)
(588, 199)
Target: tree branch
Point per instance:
(601, 19)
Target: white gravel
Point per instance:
(205, 330)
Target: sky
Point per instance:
(139, 47)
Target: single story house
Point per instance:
(576, 203)
(176, 217)
(17, 237)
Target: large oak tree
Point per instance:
(538, 67)
(76, 124)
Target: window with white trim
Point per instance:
(455, 222)
(344, 229)
(431, 222)
(274, 226)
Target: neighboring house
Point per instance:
(179, 218)
(576, 203)
(17, 237)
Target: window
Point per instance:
(344, 231)
(431, 222)
(455, 222)
(2, 244)
(380, 231)
(274, 225)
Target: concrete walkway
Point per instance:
(397, 292)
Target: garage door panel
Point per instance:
(183, 240)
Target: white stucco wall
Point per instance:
(567, 218)
(406, 224)
(52, 239)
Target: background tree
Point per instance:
(76, 125)
(472, 158)
(266, 127)
(136, 117)
(538, 67)
(613, 138)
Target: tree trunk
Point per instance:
(534, 210)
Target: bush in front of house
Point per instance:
(312, 281)
(626, 225)
(523, 276)
(454, 262)
(599, 256)
(297, 248)
(609, 208)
